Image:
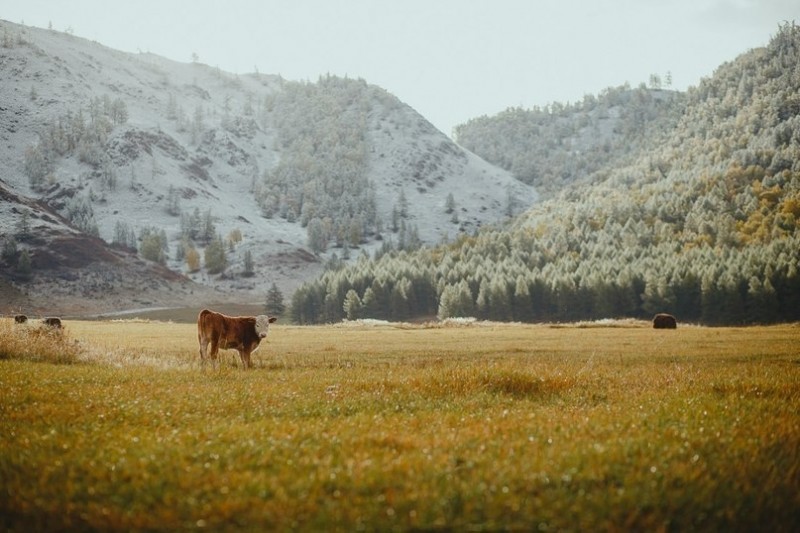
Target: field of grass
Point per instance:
(402, 427)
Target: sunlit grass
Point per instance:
(382, 427)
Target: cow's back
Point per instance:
(202, 318)
(208, 323)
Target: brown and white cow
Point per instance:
(240, 333)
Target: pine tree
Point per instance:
(762, 301)
(450, 204)
(482, 304)
(37, 166)
(197, 124)
(274, 305)
(368, 304)
(395, 219)
(180, 251)
(356, 231)
(208, 229)
(215, 259)
(522, 300)
(119, 111)
(10, 251)
(191, 224)
(511, 202)
(249, 269)
(399, 308)
(24, 266)
(173, 201)
(317, 240)
(658, 295)
(172, 107)
(8, 42)
(403, 202)
(456, 301)
(499, 300)
(352, 305)
(23, 227)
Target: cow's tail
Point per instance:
(201, 319)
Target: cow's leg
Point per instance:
(245, 356)
(203, 349)
(214, 349)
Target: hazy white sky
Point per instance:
(451, 60)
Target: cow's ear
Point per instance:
(272, 319)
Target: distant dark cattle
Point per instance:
(52, 321)
(240, 333)
(664, 321)
(20, 319)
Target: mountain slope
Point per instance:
(169, 159)
(561, 146)
(701, 220)
(49, 267)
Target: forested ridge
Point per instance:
(699, 219)
(562, 145)
(322, 179)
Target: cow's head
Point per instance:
(262, 325)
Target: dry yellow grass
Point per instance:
(381, 427)
(36, 341)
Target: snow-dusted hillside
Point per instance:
(189, 138)
(76, 273)
(428, 167)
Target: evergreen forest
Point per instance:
(687, 203)
(322, 179)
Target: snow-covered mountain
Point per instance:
(125, 144)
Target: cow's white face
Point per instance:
(262, 325)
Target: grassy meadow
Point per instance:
(114, 425)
